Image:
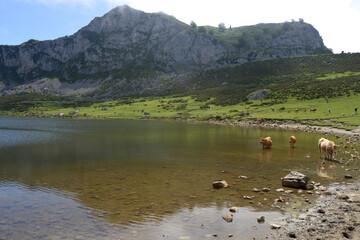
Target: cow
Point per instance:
(312, 109)
(292, 141)
(272, 109)
(266, 142)
(328, 147)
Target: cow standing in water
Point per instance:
(266, 142)
(292, 141)
(328, 147)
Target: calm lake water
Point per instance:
(118, 179)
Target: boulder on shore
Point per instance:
(220, 184)
(295, 180)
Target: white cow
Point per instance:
(328, 147)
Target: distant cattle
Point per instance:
(260, 120)
(312, 109)
(292, 141)
(296, 110)
(272, 109)
(266, 142)
(328, 147)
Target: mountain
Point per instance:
(130, 52)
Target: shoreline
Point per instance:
(287, 125)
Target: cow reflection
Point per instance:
(265, 155)
(326, 172)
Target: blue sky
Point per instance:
(336, 20)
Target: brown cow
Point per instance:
(328, 147)
(312, 109)
(292, 141)
(266, 142)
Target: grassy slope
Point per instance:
(296, 83)
(342, 110)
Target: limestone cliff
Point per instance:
(134, 52)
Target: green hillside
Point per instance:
(295, 85)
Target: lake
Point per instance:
(119, 179)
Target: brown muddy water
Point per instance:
(118, 179)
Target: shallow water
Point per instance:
(117, 179)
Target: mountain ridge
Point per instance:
(137, 52)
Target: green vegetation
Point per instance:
(296, 84)
(190, 108)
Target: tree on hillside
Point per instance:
(221, 27)
(243, 42)
(202, 29)
(193, 24)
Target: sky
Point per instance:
(337, 21)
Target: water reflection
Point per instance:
(132, 174)
(328, 171)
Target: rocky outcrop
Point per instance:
(137, 52)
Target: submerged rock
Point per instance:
(228, 217)
(261, 219)
(220, 184)
(296, 180)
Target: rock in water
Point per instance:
(275, 226)
(228, 217)
(295, 180)
(261, 219)
(220, 184)
(233, 209)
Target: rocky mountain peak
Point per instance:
(126, 45)
(116, 19)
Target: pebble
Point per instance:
(275, 226)
(320, 210)
(266, 189)
(261, 219)
(243, 177)
(289, 191)
(233, 209)
(347, 176)
(292, 235)
(256, 190)
(280, 190)
(228, 217)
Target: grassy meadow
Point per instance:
(342, 114)
(295, 85)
